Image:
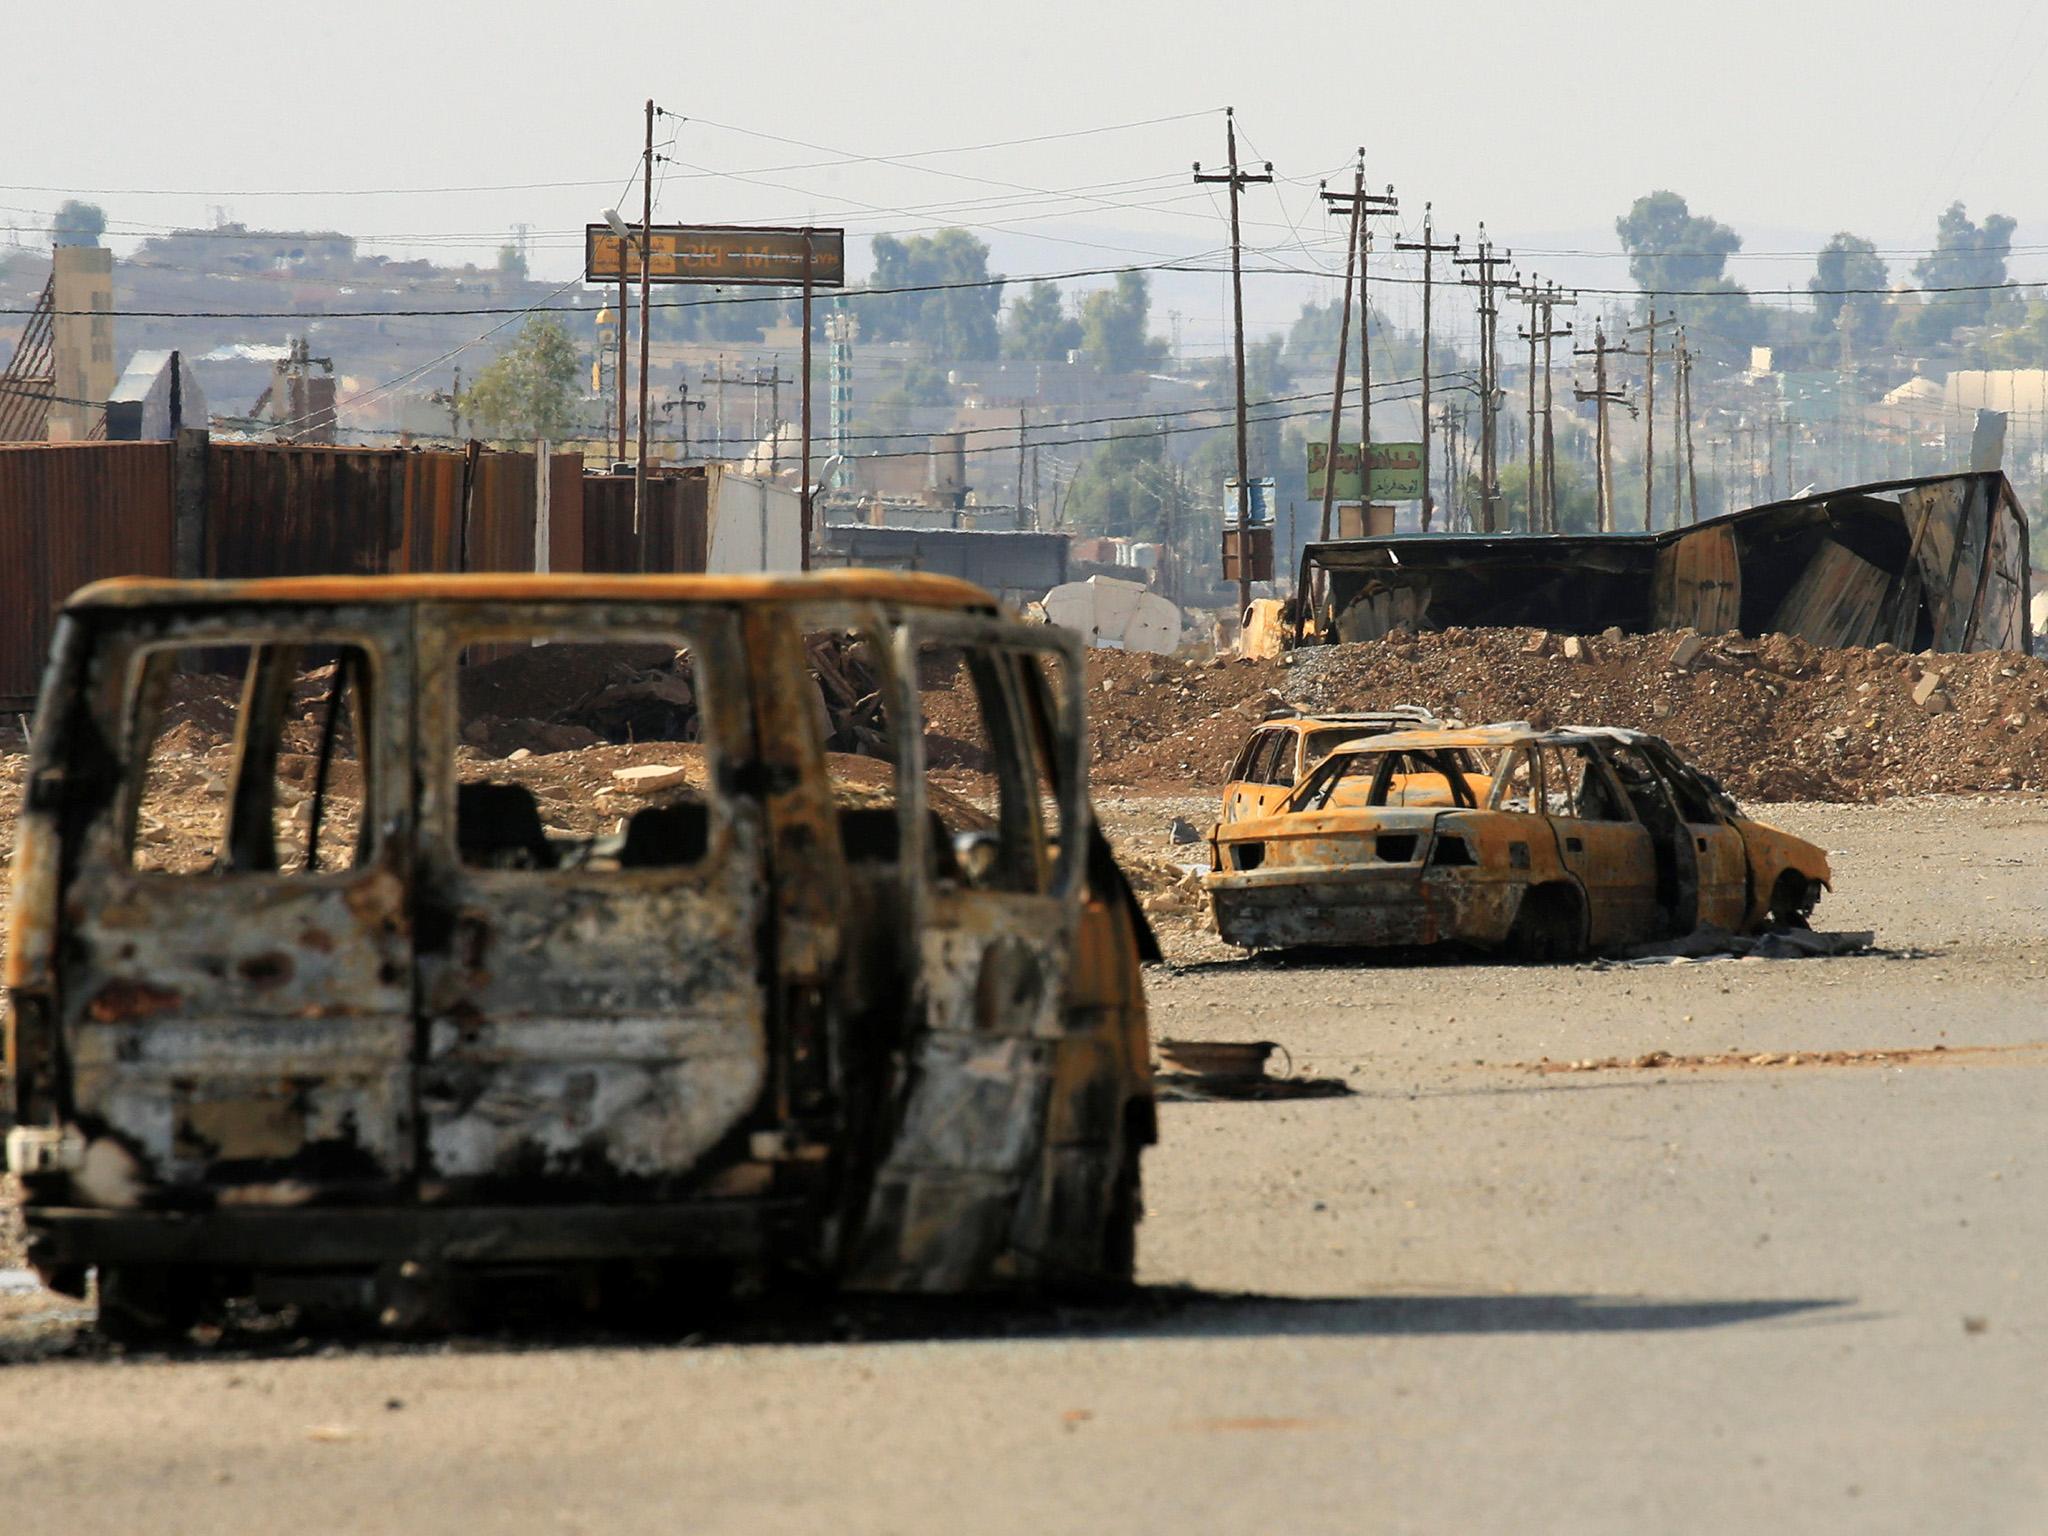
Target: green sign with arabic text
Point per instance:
(1396, 471)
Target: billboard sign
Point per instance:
(726, 255)
(1396, 471)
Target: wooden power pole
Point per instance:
(1552, 302)
(1692, 478)
(646, 234)
(1648, 330)
(1364, 205)
(1357, 202)
(1603, 397)
(1484, 262)
(1428, 247)
(1238, 181)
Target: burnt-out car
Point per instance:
(1570, 840)
(321, 985)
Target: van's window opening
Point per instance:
(575, 751)
(256, 758)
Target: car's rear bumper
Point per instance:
(1378, 908)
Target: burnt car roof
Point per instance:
(916, 588)
(1494, 736)
(1310, 719)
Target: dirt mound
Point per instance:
(1156, 722)
(1773, 718)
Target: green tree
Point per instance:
(1114, 324)
(1966, 255)
(530, 389)
(78, 223)
(1118, 491)
(1850, 262)
(1673, 253)
(1038, 328)
(956, 314)
(511, 264)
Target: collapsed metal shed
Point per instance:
(1939, 563)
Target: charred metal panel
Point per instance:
(585, 1028)
(240, 1035)
(1699, 581)
(1939, 562)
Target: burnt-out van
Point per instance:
(374, 937)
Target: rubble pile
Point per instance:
(1774, 718)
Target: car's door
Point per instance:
(1599, 840)
(592, 995)
(236, 981)
(1247, 794)
(1717, 844)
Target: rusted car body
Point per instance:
(1571, 840)
(1281, 752)
(781, 1036)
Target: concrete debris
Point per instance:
(1183, 831)
(1687, 651)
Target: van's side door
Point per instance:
(995, 943)
(592, 1003)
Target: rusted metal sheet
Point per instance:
(674, 532)
(71, 514)
(1938, 563)
(1699, 581)
(275, 510)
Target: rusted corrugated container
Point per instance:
(273, 510)
(72, 513)
(674, 534)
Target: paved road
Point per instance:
(1473, 1296)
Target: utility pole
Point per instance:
(1450, 425)
(1552, 302)
(452, 398)
(1366, 205)
(1357, 202)
(1238, 181)
(770, 379)
(1484, 263)
(1532, 295)
(1428, 247)
(1648, 329)
(646, 234)
(1021, 414)
(809, 512)
(1692, 477)
(1600, 351)
(685, 404)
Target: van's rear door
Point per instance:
(236, 978)
(592, 992)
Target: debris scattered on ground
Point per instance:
(1181, 830)
(1658, 1061)
(1719, 944)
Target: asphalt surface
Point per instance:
(1509, 1283)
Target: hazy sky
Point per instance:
(1787, 120)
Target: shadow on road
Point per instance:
(1147, 1313)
